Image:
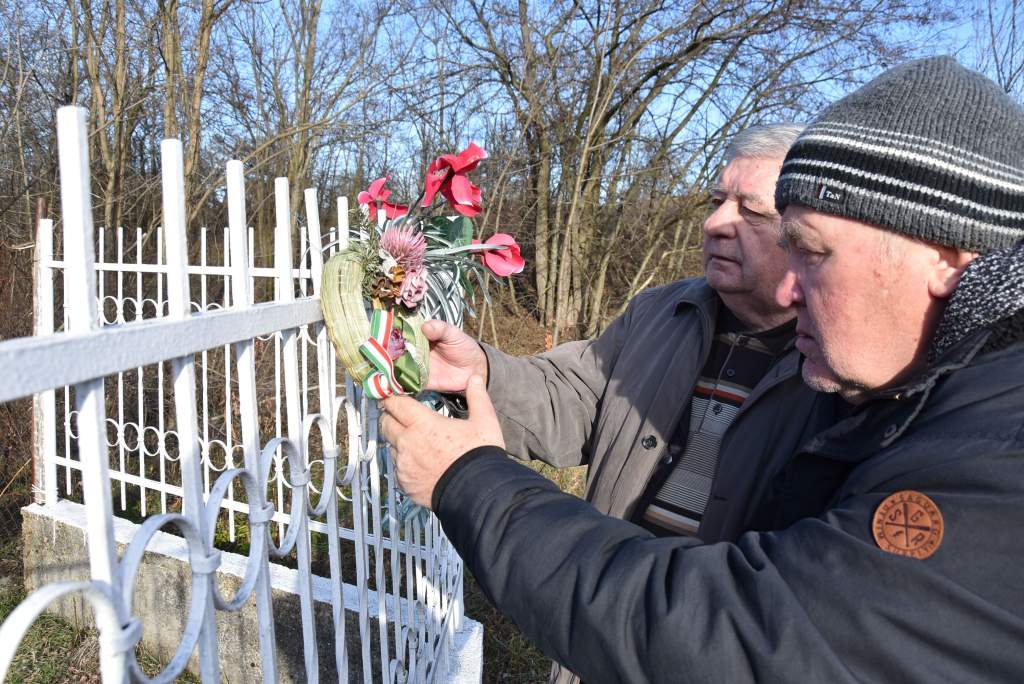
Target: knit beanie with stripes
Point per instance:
(928, 149)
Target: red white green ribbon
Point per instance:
(381, 383)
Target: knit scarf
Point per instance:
(990, 295)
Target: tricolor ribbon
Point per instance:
(382, 383)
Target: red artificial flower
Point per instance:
(502, 262)
(447, 175)
(375, 197)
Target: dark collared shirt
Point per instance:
(739, 359)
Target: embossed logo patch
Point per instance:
(908, 523)
(830, 194)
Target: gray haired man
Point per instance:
(670, 406)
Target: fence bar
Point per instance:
(342, 223)
(242, 299)
(119, 318)
(229, 447)
(289, 340)
(325, 384)
(140, 377)
(160, 367)
(80, 278)
(183, 374)
(70, 358)
(194, 269)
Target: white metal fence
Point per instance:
(176, 397)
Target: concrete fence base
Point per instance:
(55, 550)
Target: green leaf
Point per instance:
(465, 282)
(438, 224)
(457, 231)
(406, 371)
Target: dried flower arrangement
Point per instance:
(407, 257)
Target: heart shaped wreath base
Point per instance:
(348, 325)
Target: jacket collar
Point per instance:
(695, 292)
(887, 415)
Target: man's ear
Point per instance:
(948, 268)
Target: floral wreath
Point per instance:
(373, 290)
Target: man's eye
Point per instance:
(754, 217)
(716, 202)
(808, 256)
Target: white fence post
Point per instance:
(245, 363)
(184, 380)
(80, 293)
(328, 504)
(298, 472)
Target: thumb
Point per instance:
(434, 331)
(481, 410)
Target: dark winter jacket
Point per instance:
(616, 401)
(812, 597)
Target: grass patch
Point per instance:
(50, 648)
(54, 650)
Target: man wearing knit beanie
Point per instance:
(887, 197)
(889, 549)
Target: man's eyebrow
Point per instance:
(750, 198)
(756, 200)
(790, 231)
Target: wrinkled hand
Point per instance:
(454, 358)
(424, 444)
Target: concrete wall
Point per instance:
(55, 550)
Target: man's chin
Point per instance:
(723, 276)
(819, 379)
(824, 380)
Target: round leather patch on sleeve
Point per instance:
(908, 523)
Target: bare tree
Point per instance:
(999, 44)
(605, 120)
(624, 104)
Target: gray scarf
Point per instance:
(990, 295)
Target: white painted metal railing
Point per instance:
(262, 436)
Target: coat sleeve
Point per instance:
(547, 404)
(816, 602)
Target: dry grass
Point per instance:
(55, 651)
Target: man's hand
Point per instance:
(424, 444)
(454, 358)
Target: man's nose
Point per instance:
(788, 292)
(722, 222)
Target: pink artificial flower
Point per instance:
(414, 286)
(375, 197)
(406, 245)
(447, 175)
(396, 344)
(502, 262)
